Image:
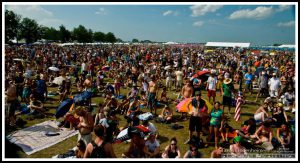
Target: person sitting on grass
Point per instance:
(284, 135)
(36, 107)
(237, 150)
(263, 133)
(136, 148)
(172, 150)
(261, 114)
(152, 147)
(79, 152)
(248, 128)
(163, 97)
(166, 115)
(217, 153)
(193, 152)
(225, 128)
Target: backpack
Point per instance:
(98, 151)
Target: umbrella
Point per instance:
(167, 67)
(58, 80)
(18, 59)
(53, 68)
(127, 133)
(183, 106)
(105, 68)
(203, 72)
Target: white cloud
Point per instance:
(283, 8)
(258, 13)
(198, 23)
(101, 11)
(36, 12)
(286, 24)
(199, 10)
(170, 12)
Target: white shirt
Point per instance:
(274, 83)
(212, 82)
(84, 66)
(179, 75)
(152, 146)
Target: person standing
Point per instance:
(211, 86)
(249, 77)
(152, 89)
(227, 89)
(274, 85)
(215, 122)
(198, 105)
(262, 84)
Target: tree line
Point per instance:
(19, 28)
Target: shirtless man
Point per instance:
(152, 89)
(88, 83)
(186, 92)
(196, 121)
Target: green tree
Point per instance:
(135, 40)
(50, 34)
(12, 22)
(110, 37)
(64, 34)
(99, 36)
(80, 34)
(119, 40)
(30, 30)
(90, 36)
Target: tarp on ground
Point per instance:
(33, 139)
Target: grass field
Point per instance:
(165, 132)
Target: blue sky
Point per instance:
(257, 24)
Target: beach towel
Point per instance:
(145, 116)
(34, 138)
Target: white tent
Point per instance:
(227, 44)
(286, 46)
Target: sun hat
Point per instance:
(227, 81)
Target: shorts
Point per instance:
(179, 83)
(211, 93)
(227, 101)
(249, 86)
(273, 93)
(151, 99)
(215, 125)
(117, 85)
(263, 90)
(195, 124)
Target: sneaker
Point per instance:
(187, 141)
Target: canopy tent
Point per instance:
(227, 44)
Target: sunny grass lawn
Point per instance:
(165, 132)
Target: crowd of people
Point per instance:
(152, 73)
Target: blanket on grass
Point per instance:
(37, 137)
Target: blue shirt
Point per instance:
(249, 78)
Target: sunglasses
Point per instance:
(173, 144)
(194, 150)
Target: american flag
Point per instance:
(239, 102)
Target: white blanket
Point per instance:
(33, 138)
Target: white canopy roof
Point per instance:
(227, 44)
(286, 46)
